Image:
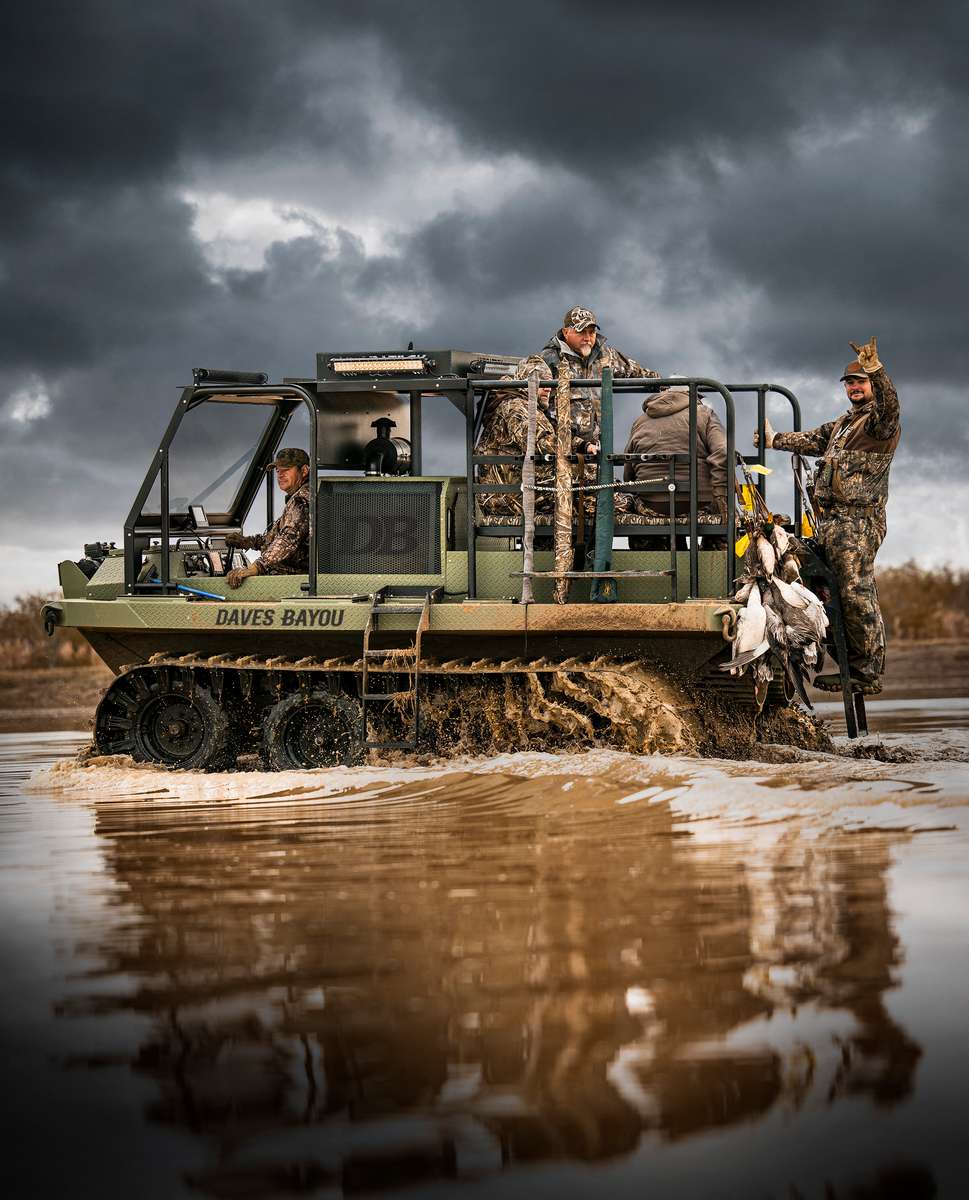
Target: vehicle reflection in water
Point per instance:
(449, 978)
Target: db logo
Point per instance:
(393, 534)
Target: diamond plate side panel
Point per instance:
(495, 580)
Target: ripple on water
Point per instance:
(599, 971)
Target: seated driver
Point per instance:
(285, 544)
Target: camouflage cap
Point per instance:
(292, 456)
(579, 318)
(854, 370)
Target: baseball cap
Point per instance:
(854, 370)
(291, 456)
(579, 318)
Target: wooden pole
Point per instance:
(564, 550)
(528, 492)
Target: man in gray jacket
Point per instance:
(664, 428)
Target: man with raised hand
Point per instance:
(850, 492)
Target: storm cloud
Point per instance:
(736, 190)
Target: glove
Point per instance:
(768, 435)
(237, 577)
(239, 541)
(867, 356)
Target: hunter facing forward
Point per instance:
(849, 494)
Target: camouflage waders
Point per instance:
(850, 538)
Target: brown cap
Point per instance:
(854, 370)
(292, 456)
(579, 318)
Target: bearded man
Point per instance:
(581, 343)
(850, 492)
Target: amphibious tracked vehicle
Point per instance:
(410, 586)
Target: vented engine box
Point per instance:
(389, 525)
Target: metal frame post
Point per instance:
(472, 493)
(416, 457)
(166, 523)
(694, 560)
(605, 591)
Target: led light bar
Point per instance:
(383, 364)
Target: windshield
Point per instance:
(209, 458)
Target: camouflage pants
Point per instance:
(851, 537)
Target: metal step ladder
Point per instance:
(391, 601)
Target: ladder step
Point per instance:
(394, 610)
(403, 652)
(589, 574)
(384, 695)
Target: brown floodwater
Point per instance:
(591, 974)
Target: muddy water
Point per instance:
(526, 975)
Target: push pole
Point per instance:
(564, 554)
(528, 492)
(605, 591)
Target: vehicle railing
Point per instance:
(762, 389)
(695, 386)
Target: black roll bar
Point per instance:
(762, 389)
(191, 396)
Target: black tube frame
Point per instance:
(464, 396)
(287, 393)
(695, 386)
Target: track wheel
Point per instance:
(311, 729)
(165, 717)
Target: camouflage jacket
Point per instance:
(856, 449)
(285, 544)
(664, 427)
(504, 428)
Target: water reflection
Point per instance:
(444, 979)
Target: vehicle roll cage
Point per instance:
(468, 396)
(608, 386)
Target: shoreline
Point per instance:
(44, 700)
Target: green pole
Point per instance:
(605, 591)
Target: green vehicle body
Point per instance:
(406, 587)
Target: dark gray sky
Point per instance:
(736, 189)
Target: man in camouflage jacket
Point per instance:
(504, 429)
(850, 492)
(285, 544)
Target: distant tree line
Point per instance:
(919, 604)
(23, 642)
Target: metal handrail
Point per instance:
(637, 384)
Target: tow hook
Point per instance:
(728, 624)
(51, 618)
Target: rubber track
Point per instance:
(739, 690)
